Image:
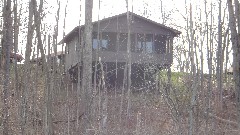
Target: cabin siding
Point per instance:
(138, 26)
(160, 59)
(71, 58)
(120, 56)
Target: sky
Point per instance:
(109, 8)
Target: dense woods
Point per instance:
(198, 93)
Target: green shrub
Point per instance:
(180, 85)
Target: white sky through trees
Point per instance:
(147, 8)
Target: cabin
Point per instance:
(151, 47)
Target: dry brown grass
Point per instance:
(149, 113)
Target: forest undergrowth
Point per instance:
(152, 111)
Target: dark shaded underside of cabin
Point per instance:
(114, 74)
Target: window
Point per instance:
(145, 43)
(107, 41)
(160, 43)
(95, 44)
(140, 43)
(103, 44)
(123, 39)
(149, 43)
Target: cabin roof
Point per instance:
(76, 29)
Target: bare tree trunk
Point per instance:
(193, 73)
(27, 70)
(219, 58)
(129, 65)
(209, 58)
(64, 26)
(129, 61)
(87, 63)
(104, 113)
(55, 69)
(227, 55)
(16, 31)
(122, 96)
(37, 22)
(79, 54)
(49, 90)
(6, 44)
(236, 51)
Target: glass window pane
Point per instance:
(160, 44)
(95, 44)
(104, 44)
(140, 43)
(139, 47)
(149, 43)
(107, 41)
(149, 47)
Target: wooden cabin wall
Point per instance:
(138, 26)
(71, 58)
(161, 59)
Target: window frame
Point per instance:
(105, 38)
(142, 43)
